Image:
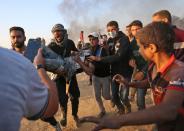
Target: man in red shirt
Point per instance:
(165, 78)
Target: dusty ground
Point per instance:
(87, 106)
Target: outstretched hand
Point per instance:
(120, 79)
(111, 122)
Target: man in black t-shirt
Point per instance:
(100, 73)
(63, 47)
(119, 50)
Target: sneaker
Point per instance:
(101, 114)
(63, 122)
(77, 121)
(58, 127)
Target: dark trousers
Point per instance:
(120, 96)
(115, 95)
(73, 93)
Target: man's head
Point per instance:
(155, 38)
(162, 15)
(59, 32)
(17, 37)
(128, 31)
(112, 29)
(94, 36)
(135, 26)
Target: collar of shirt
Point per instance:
(170, 62)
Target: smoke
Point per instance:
(93, 15)
(82, 15)
(178, 21)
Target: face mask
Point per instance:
(112, 34)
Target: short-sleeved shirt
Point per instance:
(170, 77)
(22, 94)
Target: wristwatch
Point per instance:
(39, 66)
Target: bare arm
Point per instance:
(166, 111)
(87, 67)
(137, 84)
(53, 94)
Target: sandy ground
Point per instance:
(87, 106)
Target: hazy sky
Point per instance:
(38, 16)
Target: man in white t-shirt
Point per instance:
(24, 91)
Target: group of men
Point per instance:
(161, 45)
(63, 46)
(147, 57)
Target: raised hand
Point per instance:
(39, 58)
(132, 63)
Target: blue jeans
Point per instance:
(141, 98)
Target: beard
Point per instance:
(18, 45)
(59, 39)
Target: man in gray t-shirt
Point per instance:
(24, 91)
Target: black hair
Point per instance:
(17, 29)
(159, 33)
(136, 23)
(113, 23)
